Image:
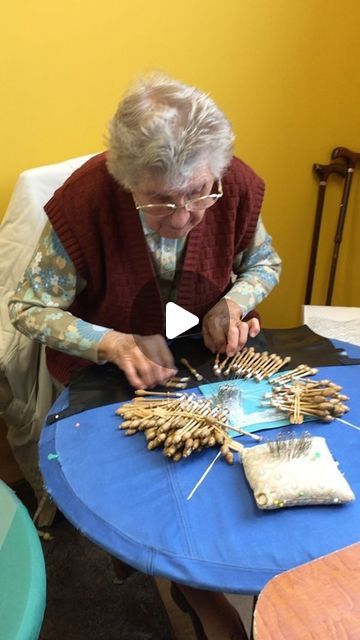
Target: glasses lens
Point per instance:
(160, 210)
(198, 204)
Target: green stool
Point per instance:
(22, 571)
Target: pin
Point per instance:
(167, 394)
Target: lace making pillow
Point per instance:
(294, 472)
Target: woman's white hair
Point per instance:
(165, 128)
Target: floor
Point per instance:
(181, 622)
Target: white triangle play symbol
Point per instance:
(178, 320)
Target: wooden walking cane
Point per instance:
(323, 171)
(351, 159)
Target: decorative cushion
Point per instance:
(294, 472)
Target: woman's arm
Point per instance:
(39, 305)
(257, 271)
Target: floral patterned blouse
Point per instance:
(50, 283)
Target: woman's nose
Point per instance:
(180, 217)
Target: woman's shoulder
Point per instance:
(238, 170)
(93, 171)
(241, 177)
(88, 185)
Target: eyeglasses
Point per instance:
(193, 204)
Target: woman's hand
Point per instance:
(224, 331)
(145, 360)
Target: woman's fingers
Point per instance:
(207, 339)
(215, 327)
(145, 360)
(254, 327)
(219, 327)
(224, 331)
(218, 336)
(232, 342)
(155, 360)
(150, 360)
(238, 334)
(157, 351)
(132, 376)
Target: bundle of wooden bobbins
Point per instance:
(302, 371)
(181, 424)
(319, 399)
(248, 363)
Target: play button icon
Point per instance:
(178, 320)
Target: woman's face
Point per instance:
(177, 223)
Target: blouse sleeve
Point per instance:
(257, 271)
(39, 305)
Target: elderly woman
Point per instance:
(166, 214)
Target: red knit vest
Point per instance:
(98, 225)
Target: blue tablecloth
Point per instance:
(133, 502)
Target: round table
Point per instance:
(133, 502)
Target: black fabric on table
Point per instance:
(104, 384)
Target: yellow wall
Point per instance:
(285, 71)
